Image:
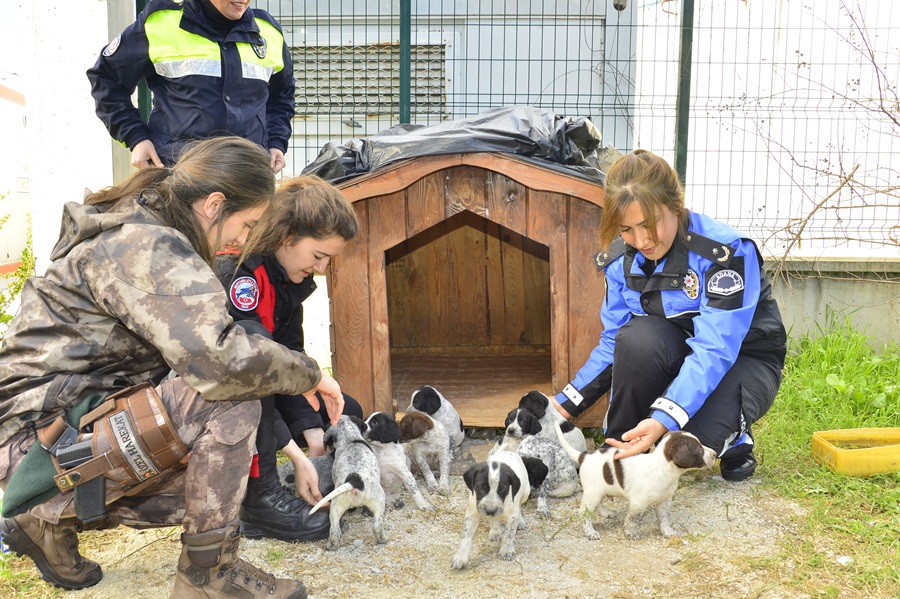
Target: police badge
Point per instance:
(260, 48)
(110, 49)
(691, 285)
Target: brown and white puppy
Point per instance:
(428, 444)
(357, 480)
(539, 404)
(429, 400)
(645, 480)
(498, 488)
(383, 434)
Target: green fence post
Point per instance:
(405, 59)
(683, 101)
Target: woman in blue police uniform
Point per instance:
(307, 224)
(214, 67)
(692, 337)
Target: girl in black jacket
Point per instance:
(307, 224)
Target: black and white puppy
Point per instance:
(645, 480)
(383, 434)
(498, 488)
(429, 400)
(539, 404)
(522, 436)
(428, 445)
(357, 479)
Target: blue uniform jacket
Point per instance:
(713, 286)
(203, 85)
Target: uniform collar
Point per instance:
(194, 20)
(298, 291)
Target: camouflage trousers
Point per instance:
(205, 494)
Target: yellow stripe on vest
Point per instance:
(175, 52)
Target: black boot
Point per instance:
(737, 468)
(273, 511)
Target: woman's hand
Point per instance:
(330, 392)
(306, 479)
(639, 439)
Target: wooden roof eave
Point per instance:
(401, 175)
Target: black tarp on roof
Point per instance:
(570, 144)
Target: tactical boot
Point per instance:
(273, 511)
(54, 549)
(209, 568)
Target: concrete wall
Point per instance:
(864, 291)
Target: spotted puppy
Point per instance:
(429, 400)
(539, 404)
(357, 479)
(428, 444)
(383, 434)
(645, 480)
(522, 436)
(498, 488)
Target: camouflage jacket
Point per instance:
(124, 300)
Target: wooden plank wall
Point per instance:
(465, 257)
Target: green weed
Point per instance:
(836, 380)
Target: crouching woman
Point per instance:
(91, 435)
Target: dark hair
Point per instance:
(647, 179)
(233, 166)
(303, 207)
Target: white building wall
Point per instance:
(68, 148)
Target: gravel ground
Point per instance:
(724, 528)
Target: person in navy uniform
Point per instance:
(692, 337)
(215, 67)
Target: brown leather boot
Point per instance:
(54, 549)
(209, 568)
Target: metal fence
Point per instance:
(792, 118)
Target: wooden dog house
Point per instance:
(471, 273)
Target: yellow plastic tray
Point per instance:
(858, 451)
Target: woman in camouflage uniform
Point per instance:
(130, 295)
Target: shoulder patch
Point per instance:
(714, 251)
(605, 258)
(244, 294)
(111, 48)
(725, 282)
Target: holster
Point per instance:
(128, 439)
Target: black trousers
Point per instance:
(648, 355)
(268, 441)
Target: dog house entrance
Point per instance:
(469, 313)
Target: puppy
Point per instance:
(645, 480)
(427, 442)
(383, 434)
(497, 489)
(539, 404)
(357, 480)
(521, 436)
(429, 400)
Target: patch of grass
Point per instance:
(836, 380)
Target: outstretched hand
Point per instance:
(639, 439)
(330, 392)
(306, 479)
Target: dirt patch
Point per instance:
(725, 528)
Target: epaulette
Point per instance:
(605, 258)
(714, 251)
